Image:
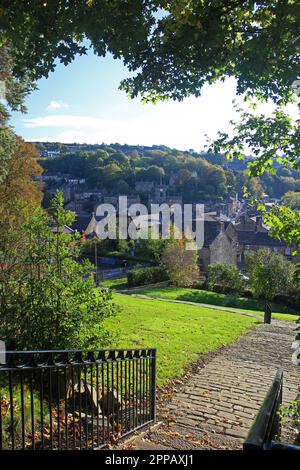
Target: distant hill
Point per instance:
(194, 175)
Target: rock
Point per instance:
(110, 403)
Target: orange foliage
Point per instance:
(19, 183)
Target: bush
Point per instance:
(224, 278)
(144, 276)
(149, 249)
(248, 293)
(291, 298)
(231, 300)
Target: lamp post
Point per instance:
(96, 260)
(54, 213)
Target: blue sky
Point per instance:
(81, 103)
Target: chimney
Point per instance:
(243, 219)
(259, 223)
(222, 227)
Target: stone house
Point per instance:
(246, 223)
(225, 242)
(254, 240)
(223, 248)
(160, 195)
(218, 244)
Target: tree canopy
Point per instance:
(291, 199)
(270, 274)
(173, 47)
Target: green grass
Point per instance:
(213, 298)
(115, 284)
(179, 332)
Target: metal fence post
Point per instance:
(153, 385)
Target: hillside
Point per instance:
(132, 169)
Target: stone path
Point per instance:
(216, 406)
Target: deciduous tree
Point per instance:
(270, 274)
(48, 298)
(181, 264)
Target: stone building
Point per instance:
(254, 240)
(233, 204)
(223, 248)
(225, 242)
(218, 246)
(252, 224)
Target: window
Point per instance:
(247, 247)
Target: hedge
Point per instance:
(144, 276)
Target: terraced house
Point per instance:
(227, 242)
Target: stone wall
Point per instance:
(223, 250)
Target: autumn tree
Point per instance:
(181, 264)
(13, 90)
(19, 195)
(21, 182)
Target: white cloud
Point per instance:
(68, 120)
(180, 125)
(54, 105)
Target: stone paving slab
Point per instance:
(215, 408)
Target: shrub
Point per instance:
(224, 278)
(231, 300)
(150, 249)
(144, 276)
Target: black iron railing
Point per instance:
(75, 399)
(266, 429)
(267, 424)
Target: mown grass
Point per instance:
(179, 332)
(115, 284)
(213, 298)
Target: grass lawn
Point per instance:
(213, 298)
(179, 332)
(120, 283)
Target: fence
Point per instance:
(265, 431)
(267, 425)
(75, 399)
